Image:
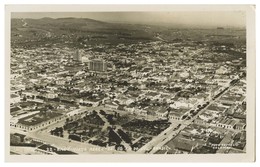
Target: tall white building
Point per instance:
(78, 56)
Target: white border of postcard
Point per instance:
(249, 156)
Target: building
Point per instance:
(214, 108)
(77, 112)
(226, 123)
(94, 102)
(175, 116)
(98, 65)
(78, 56)
(16, 138)
(111, 105)
(162, 112)
(240, 126)
(14, 109)
(14, 99)
(60, 82)
(38, 120)
(51, 95)
(200, 121)
(222, 70)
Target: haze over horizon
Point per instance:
(199, 19)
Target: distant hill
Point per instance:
(75, 30)
(79, 32)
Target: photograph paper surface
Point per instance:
(85, 82)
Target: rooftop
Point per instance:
(14, 96)
(38, 118)
(14, 109)
(216, 108)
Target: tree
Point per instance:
(75, 137)
(102, 112)
(113, 137)
(94, 112)
(85, 128)
(115, 114)
(124, 136)
(61, 129)
(91, 131)
(120, 147)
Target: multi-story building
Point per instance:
(78, 56)
(98, 65)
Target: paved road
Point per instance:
(106, 124)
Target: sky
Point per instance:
(187, 18)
